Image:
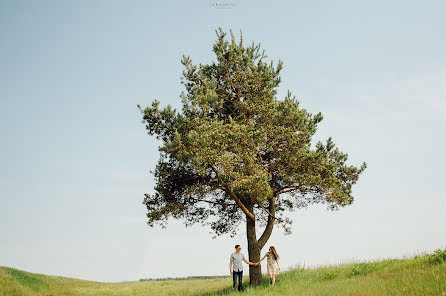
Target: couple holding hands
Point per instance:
(236, 267)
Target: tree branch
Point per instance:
(285, 190)
(232, 194)
(214, 202)
(268, 212)
(269, 226)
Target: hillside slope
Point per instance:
(421, 275)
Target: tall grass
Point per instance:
(421, 275)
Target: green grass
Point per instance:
(421, 275)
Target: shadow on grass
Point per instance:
(266, 282)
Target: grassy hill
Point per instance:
(420, 275)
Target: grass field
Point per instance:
(420, 275)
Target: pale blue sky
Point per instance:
(75, 157)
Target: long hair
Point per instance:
(276, 256)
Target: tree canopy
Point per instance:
(235, 151)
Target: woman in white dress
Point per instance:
(272, 260)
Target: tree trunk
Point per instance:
(255, 272)
(254, 245)
(270, 224)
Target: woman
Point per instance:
(272, 260)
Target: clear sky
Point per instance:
(76, 159)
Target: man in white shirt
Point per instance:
(236, 266)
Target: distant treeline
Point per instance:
(197, 277)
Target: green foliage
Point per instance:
(361, 269)
(235, 149)
(438, 257)
(329, 274)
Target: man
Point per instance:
(236, 266)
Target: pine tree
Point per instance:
(236, 153)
